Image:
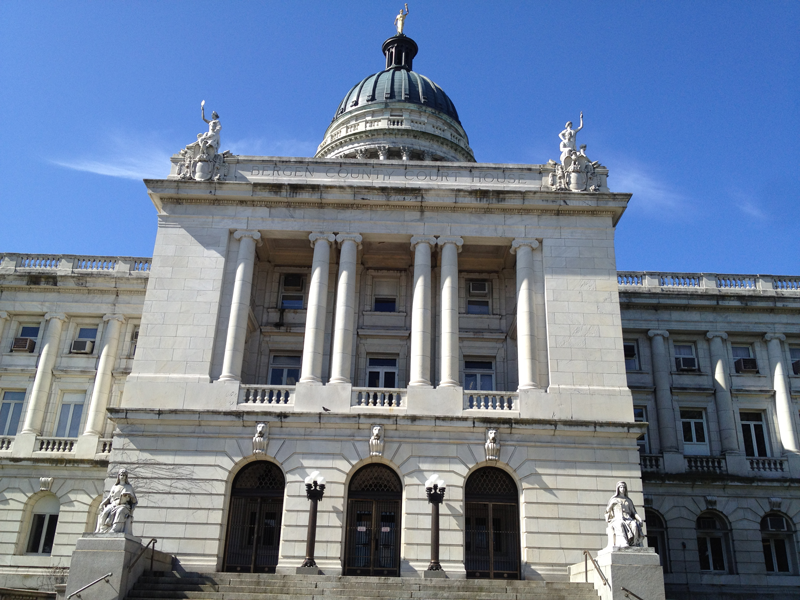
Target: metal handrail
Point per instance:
(588, 556)
(78, 593)
(138, 556)
(627, 591)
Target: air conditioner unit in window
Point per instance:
(82, 347)
(478, 288)
(686, 363)
(23, 344)
(746, 365)
(796, 367)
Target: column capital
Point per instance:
(450, 239)
(519, 242)
(119, 318)
(660, 332)
(3, 315)
(251, 233)
(775, 336)
(720, 334)
(349, 237)
(422, 239)
(315, 237)
(58, 316)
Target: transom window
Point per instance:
(293, 286)
(713, 544)
(631, 349)
(385, 295)
(754, 434)
(777, 543)
(479, 375)
(693, 424)
(381, 372)
(640, 416)
(685, 357)
(10, 412)
(69, 418)
(284, 370)
(478, 297)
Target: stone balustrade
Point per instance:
(6, 442)
(769, 465)
(56, 445)
(644, 281)
(266, 395)
(68, 264)
(378, 397)
(493, 401)
(104, 445)
(651, 463)
(706, 464)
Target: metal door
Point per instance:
(254, 522)
(373, 538)
(491, 533)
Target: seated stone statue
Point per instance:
(624, 523)
(116, 511)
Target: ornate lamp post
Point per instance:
(315, 490)
(434, 488)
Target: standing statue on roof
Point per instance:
(568, 136)
(400, 20)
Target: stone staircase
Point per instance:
(246, 586)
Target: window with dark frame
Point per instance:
(754, 434)
(794, 355)
(284, 369)
(657, 537)
(713, 544)
(743, 360)
(479, 375)
(10, 412)
(385, 295)
(292, 291)
(693, 425)
(631, 349)
(478, 297)
(777, 543)
(381, 372)
(640, 416)
(685, 357)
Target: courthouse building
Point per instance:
(384, 308)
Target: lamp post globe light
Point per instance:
(435, 489)
(315, 490)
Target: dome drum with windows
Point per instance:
(396, 114)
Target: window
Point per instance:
(657, 537)
(777, 542)
(713, 544)
(685, 357)
(29, 331)
(69, 418)
(631, 356)
(640, 416)
(479, 375)
(753, 434)
(43, 525)
(284, 370)
(26, 340)
(10, 412)
(134, 340)
(381, 372)
(293, 285)
(385, 295)
(695, 441)
(478, 294)
(743, 359)
(794, 354)
(87, 333)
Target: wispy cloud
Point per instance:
(124, 156)
(649, 192)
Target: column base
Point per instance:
(420, 383)
(86, 447)
(229, 378)
(434, 575)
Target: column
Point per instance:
(722, 393)
(526, 336)
(342, 358)
(240, 305)
(44, 374)
(96, 418)
(315, 312)
(783, 403)
(3, 319)
(661, 368)
(451, 246)
(420, 360)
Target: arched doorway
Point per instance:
(372, 546)
(491, 533)
(254, 520)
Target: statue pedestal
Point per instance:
(637, 570)
(112, 554)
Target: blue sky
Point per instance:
(693, 106)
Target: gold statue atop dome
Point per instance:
(400, 20)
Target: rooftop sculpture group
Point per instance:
(576, 173)
(202, 160)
